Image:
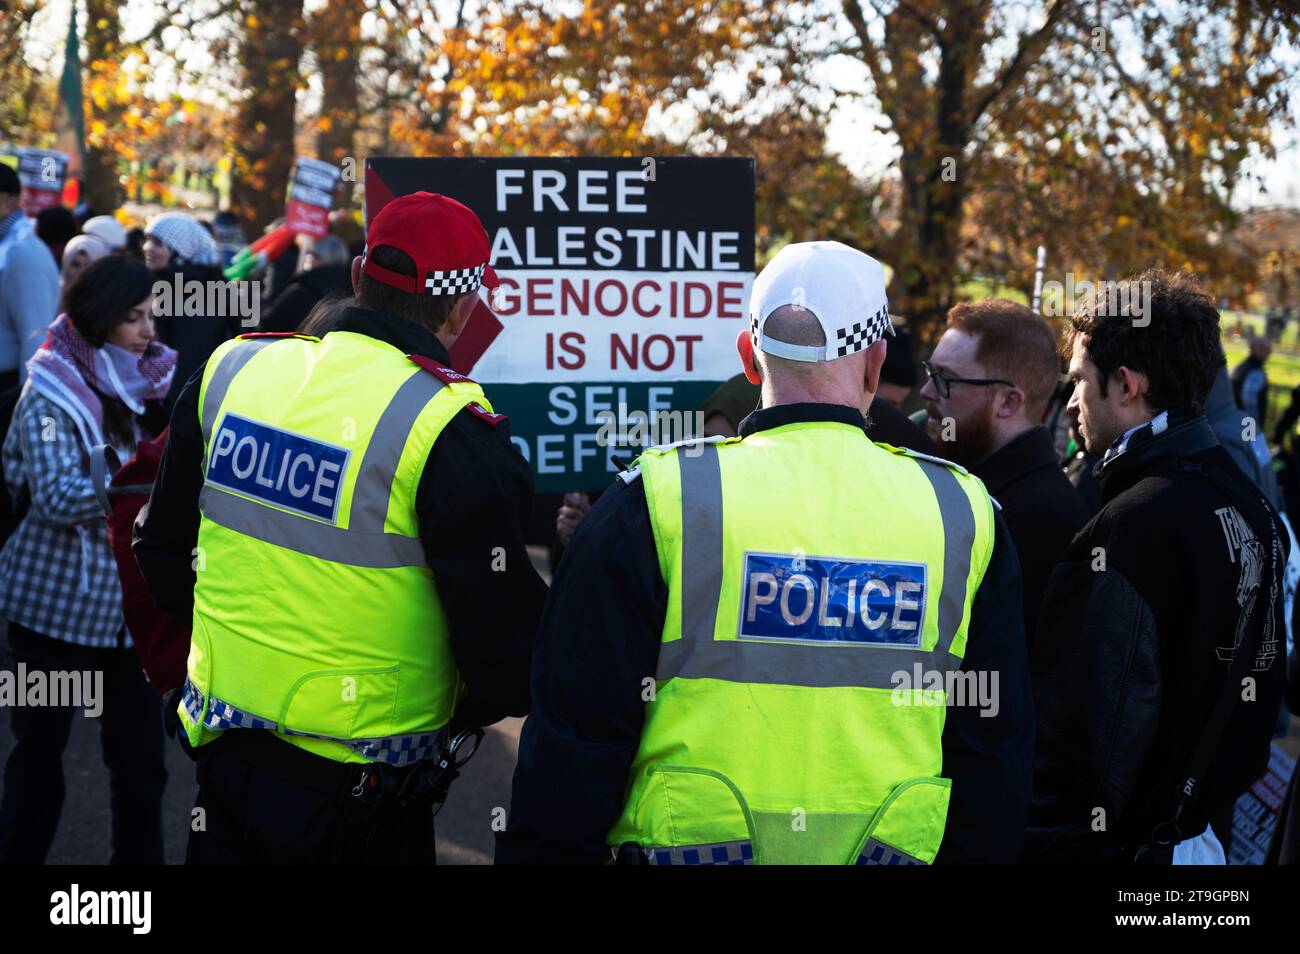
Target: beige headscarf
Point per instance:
(94, 247)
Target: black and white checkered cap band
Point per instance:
(455, 282)
(862, 334)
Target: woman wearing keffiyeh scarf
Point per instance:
(99, 378)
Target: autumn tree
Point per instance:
(666, 77)
(26, 96)
(1112, 132)
(270, 48)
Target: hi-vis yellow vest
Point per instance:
(812, 576)
(315, 612)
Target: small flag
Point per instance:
(71, 123)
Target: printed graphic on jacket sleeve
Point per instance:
(1245, 549)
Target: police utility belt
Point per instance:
(374, 785)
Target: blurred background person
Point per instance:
(99, 379)
(326, 274)
(991, 378)
(1250, 381)
(230, 235)
(108, 229)
(178, 247)
(80, 251)
(135, 245)
(898, 377)
(1248, 447)
(55, 226)
(29, 284)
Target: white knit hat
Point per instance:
(188, 241)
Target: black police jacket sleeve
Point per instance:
(599, 641)
(597, 646)
(988, 751)
(472, 503)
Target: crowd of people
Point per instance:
(86, 361)
(1132, 572)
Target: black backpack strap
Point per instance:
(1256, 511)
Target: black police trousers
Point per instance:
(263, 801)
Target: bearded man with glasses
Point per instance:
(991, 379)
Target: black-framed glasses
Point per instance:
(943, 382)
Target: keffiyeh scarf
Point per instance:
(70, 371)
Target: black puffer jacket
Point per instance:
(1137, 629)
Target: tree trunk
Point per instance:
(269, 56)
(103, 36)
(337, 31)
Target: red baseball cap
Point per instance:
(444, 239)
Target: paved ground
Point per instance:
(464, 826)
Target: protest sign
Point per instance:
(42, 173)
(311, 197)
(1255, 814)
(623, 283)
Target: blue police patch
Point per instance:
(832, 600)
(287, 470)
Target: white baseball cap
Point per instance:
(843, 288)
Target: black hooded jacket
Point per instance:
(1138, 627)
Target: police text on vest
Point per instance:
(287, 470)
(835, 600)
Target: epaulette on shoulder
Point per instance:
(483, 414)
(633, 472)
(689, 441)
(943, 461)
(440, 371)
(908, 452)
(276, 334)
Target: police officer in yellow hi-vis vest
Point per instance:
(342, 517)
(791, 646)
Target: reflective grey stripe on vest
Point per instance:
(701, 541)
(697, 655)
(307, 536)
(721, 853)
(878, 853)
(958, 541)
(231, 364)
(374, 486)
